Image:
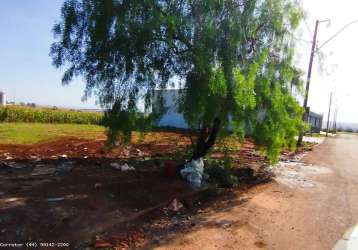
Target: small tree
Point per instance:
(232, 57)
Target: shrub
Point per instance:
(222, 176)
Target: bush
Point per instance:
(222, 176)
(48, 115)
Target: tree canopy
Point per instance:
(232, 58)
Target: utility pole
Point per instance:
(329, 113)
(335, 121)
(313, 51)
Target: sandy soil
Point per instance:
(310, 206)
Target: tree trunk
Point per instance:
(206, 139)
(301, 134)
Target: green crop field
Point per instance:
(48, 115)
(31, 133)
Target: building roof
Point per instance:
(316, 115)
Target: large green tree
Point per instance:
(233, 59)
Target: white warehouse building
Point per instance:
(172, 117)
(2, 99)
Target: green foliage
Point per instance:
(217, 83)
(48, 115)
(280, 125)
(221, 176)
(244, 88)
(233, 59)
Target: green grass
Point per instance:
(31, 133)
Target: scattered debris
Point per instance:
(124, 167)
(139, 152)
(55, 199)
(64, 167)
(35, 158)
(42, 169)
(100, 191)
(12, 199)
(193, 172)
(115, 165)
(298, 175)
(175, 206)
(97, 185)
(102, 244)
(125, 152)
(225, 225)
(15, 165)
(119, 237)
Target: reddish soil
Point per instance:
(154, 145)
(96, 199)
(96, 205)
(278, 216)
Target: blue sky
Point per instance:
(26, 72)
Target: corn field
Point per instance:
(48, 115)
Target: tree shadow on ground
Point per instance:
(85, 201)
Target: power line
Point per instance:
(337, 33)
(308, 27)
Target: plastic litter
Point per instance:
(193, 172)
(124, 167)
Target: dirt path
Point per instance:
(309, 207)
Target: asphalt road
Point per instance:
(309, 207)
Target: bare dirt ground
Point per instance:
(310, 206)
(68, 191)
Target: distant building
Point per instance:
(2, 99)
(172, 117)
(315, 120)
